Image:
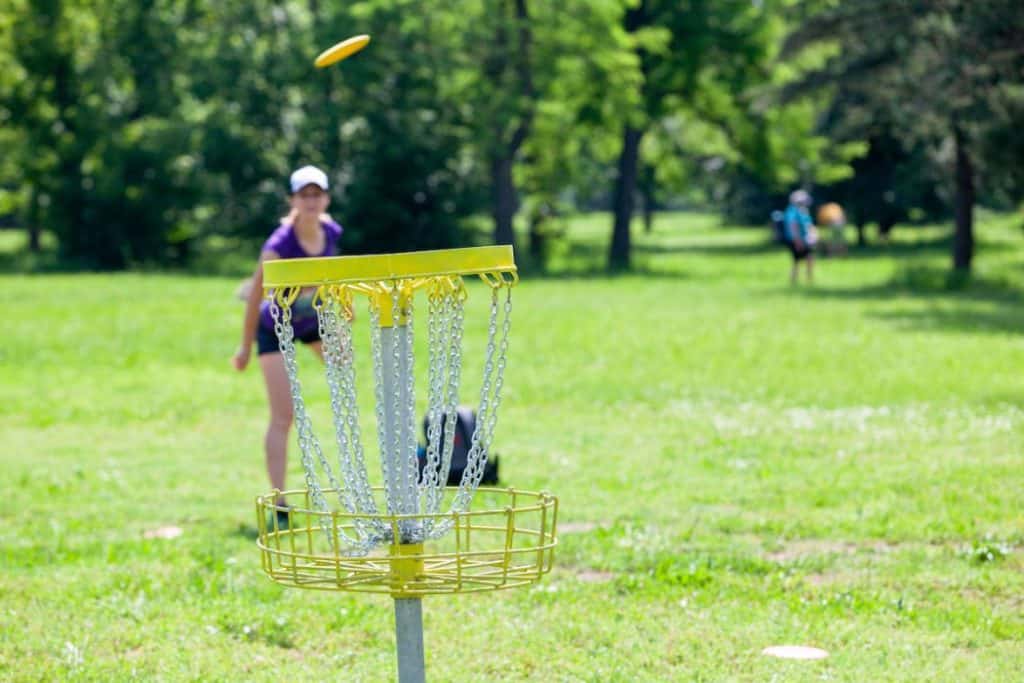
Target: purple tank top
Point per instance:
(285, 244)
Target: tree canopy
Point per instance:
(135, 130)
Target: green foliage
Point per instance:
(397, 131)
(184, 119)
(931, 83)
(133, 130)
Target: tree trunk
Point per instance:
(862, 238)
(647, 192)
(71, 197)
(33, 225)
(622, 202)
(885, 225)
(537, 246)
(626, 181)
(504, 202)
(963, 235)
(504, 199)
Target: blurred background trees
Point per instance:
(928, 79)
(134, 131)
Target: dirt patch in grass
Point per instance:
(580, 527)
(795, 550)
(591, 576)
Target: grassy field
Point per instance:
(740, 464)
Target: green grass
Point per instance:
(739, 464)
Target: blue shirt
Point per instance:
(796, 218)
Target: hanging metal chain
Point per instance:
(454, 353)
(488, 412)
(361, 482)
(468, 484)
(334, 314)
(445, 325)
(436, 371)
(407, 490)
(376, 350)
(327, 320)
(281, 312)
(499, 382)
(394, 454)
(406, 428)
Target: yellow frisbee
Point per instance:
(345, 48)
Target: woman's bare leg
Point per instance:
(275, 441)
(279, 395)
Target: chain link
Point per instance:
(487, 415)
(445, 324)
(436, 371)
(308, 444)
(334, 313)
(376, 350)
(406, 490)
(406, 416)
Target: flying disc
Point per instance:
(794, 652)
(345, 48)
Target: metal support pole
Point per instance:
(400, 427)
(409, 637)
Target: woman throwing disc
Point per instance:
(306, 231)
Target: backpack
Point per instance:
(779, 226)
(465, 425)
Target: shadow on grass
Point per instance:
(898, 249)
(1002, 321)
(747, 249)
(956, 302)
(603, 273)
(46, 262)
(589, 261)
(593, 252)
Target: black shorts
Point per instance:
(799, 253)
(266, 340)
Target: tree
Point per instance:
(40, 101)
(889, 185)
(518, 68)
(101, 140)
(936, 68)
(684, 50)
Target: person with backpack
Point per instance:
(799, 234)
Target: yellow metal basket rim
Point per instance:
(534, 501)
(307, 272)
(487, 555)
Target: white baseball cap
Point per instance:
(800, 198)
(308, 175)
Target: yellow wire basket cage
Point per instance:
(415, 535)
(508, 544)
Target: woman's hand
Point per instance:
(241, 358)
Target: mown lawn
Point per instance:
(740, 464)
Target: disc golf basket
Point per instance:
(411, 536)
